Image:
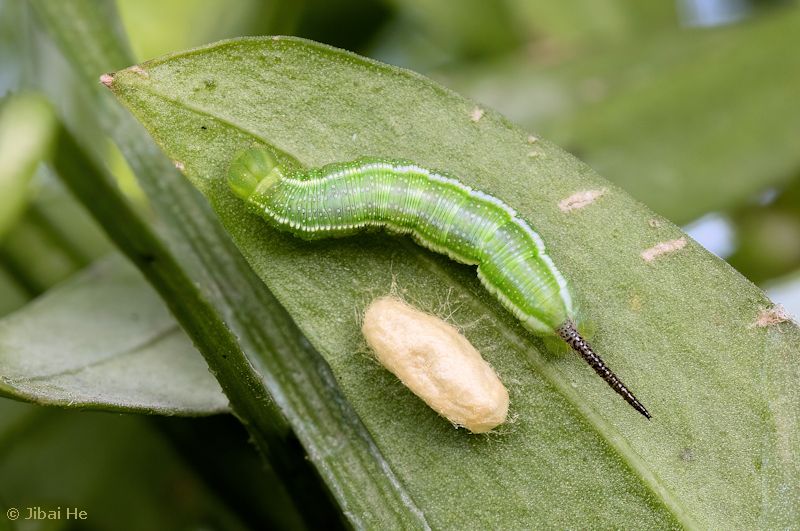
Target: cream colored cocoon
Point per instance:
(437, 363)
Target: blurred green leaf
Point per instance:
(12, 295)
(38, 252)
(53, 239)
(687, 122)
(111, 344)
(116, 468)
(27, 125)
(578, 25)
(475, 30)
(155, 27)
(680, 329)
(768, 236)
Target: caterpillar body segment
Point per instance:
(439, 212)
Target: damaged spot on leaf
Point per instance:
(664, 247)
(773, 316)
(580, 200)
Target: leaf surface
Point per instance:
(679, 329)
(105, 340)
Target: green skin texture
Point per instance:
(439, 212)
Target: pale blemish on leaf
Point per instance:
(179, 165)
(580, 200)
(138, 70)
(664, 247)
(477, 114)
(107, 80)
(532, 140)
(773, 316)
(636, 303)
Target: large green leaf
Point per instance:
(680, 329)
(110, 344)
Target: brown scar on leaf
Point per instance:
(580, 200)
(654, 223)
(773, 316)
(107, 79)
(136, 69)
(477, 114)
(664, 247)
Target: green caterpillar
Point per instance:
(439, 212)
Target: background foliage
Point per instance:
(693, 122)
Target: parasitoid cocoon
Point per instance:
(437, 363)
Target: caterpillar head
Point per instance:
(256, 167)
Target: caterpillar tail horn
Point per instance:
(569, 333)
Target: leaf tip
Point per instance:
(107, 80)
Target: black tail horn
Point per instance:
(569, 334)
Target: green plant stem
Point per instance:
(295, 375)
(241, 383)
